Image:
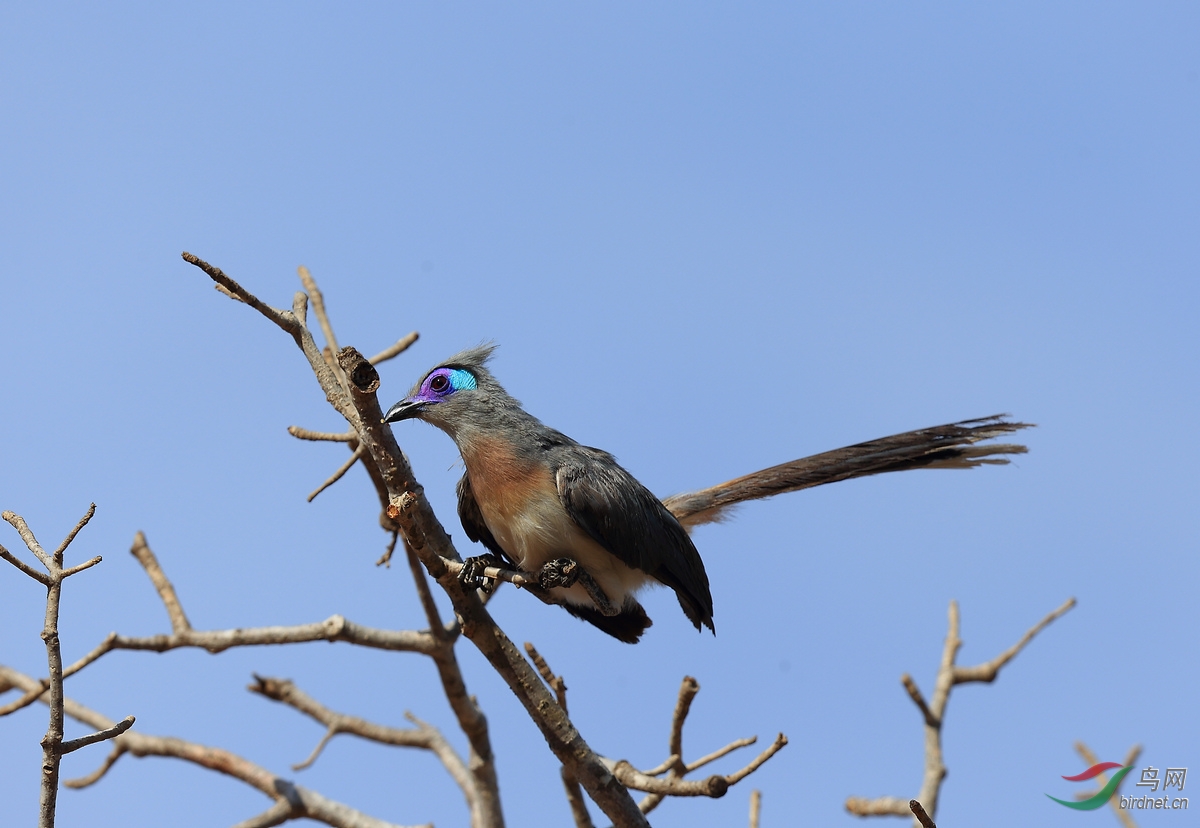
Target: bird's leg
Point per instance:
(597, 594)
(565, 572)
(472, 572)
(560, 572)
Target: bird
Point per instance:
(595, 537)
(534, 497)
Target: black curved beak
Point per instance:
(403, 410)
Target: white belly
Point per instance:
(539, 530)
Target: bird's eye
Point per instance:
(439, 383)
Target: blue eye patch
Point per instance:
(461, 380)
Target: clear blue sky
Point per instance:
(707, 239)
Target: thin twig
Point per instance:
(83, 521)
(355, 456)
(325, 436)
(555, 683)
(1090, 759)
(919, 812)
(99, 736)
(424, 736)
(674, 783)
(40, 577)
(385, 559)
(95, 776)
(989, 670)
(755, 807)
(736, 744)
(162, 585)
(401, 345)
(914, 693)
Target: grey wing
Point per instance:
(472, 519)
(627, 519)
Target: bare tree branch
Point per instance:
(1114, 802)
(575, 800)
(424, 736)
(401, 345)
(989, 670)
(53, 747)
(286, 320)
(355, 456)
(318, 305)
(919, 812)
(301, 802)
(99, 736)
(326, 436)
(755, 807)
(96, 775)
(714, 786)
(334, 628)
(879, 806)
(40, 577)
(166, 591)
(948, 675)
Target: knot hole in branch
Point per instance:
(360, 371)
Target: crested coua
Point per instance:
(533, 496)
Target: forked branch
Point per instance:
(291, 801)
(933, 713)
(53, 746)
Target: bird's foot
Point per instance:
(561, 572)
(472, 572)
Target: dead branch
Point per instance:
(423, 736)
(291, 324)
(575, 801)
(485, 803)
(53, 746)
(919, 812)
(649, 781)
(318, 305)
(1114, 802)
(291, 801)
(326, 436)
(166, 591)
(948, 676)
(355, 456)
(334, 628)
(401, 345)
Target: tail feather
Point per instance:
(627, 625)
(949, 446)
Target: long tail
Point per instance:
(940, 447)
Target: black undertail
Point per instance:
(627, 625)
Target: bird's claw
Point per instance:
(472, 573)
(561, 572)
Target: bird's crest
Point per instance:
(472, 359)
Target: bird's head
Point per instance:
(450, 392)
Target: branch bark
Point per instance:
(53, 746)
